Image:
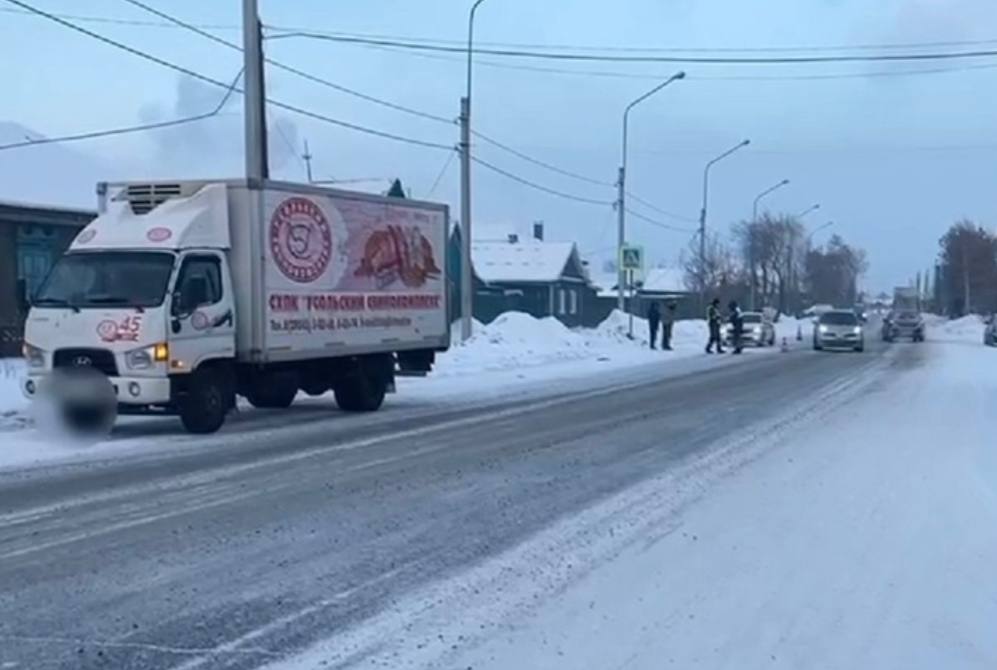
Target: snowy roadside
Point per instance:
(514, 356)
(858, 533)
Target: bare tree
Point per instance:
(968, 275)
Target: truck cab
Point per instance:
(143, 301)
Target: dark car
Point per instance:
(990, 332)
(903, 324)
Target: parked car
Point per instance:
(758, 330)
(839, 329)
(903, 323)
(990, 333)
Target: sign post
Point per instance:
(632, 264)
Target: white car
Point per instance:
(839, 329)
(758, 331)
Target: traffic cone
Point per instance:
(785, 345)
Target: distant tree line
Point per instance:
(966, 274)
(770, 262)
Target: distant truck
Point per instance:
(186, 294)
(906, 298)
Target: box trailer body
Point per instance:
(272, 288)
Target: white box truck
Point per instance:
(186, 294)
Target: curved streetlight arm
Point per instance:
(470, 42)
(626, 112)
(808, 210)
(817, 230)
(754, 206)
(706, 172)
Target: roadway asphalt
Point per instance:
(248, 550)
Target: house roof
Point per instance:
(664, 281)
(27, 212)
(524, 261)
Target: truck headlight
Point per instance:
(33, 356)
(140, 359)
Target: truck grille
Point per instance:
(98, 359)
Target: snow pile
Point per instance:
(967, 328)
(13, 404)
(518, 340)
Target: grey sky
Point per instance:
(892, 159)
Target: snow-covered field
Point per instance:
(858, 533)
(514, 354)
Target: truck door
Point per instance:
(202, 312)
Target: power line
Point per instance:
(439, 177)
(702, 60)
(650, 205)
(659, 224)
(521, 45)
(539, 187)
(287, 68)
(131, 129)
(214, 82)
(618, 74)
(535, 161)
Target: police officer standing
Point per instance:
(714, 320)
(736, 326)
(653, 319)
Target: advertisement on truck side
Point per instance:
(352, 271)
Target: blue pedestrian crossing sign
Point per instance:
(632, 258)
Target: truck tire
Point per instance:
(273, 391)
(206, 402)
(360, 393)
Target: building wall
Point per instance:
(31, 241)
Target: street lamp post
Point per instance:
(621, 210)
(817, 230)
(466, 288)
(751, 239)
(702, 216)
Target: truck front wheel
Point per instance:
(360, 393)
(205, 403)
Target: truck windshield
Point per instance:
(107, 279)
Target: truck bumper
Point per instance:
(128, 390)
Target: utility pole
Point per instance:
(466, 274)
(307, 157)
(255, 95)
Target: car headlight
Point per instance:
(757, 330)
(140, 359)
(857, 330)
(33, 356)
(822, 328)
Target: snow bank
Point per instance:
(518, 340)
(967, 328)
(13, 404)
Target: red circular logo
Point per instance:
(159, 234)
(199, 320)
(300, 240)
(86, 236)
(108, 330)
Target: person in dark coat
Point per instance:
(736, 326)
(667, 321)
(714, 320)
(653, 319)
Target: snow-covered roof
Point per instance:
(664, 280)
(523, 261)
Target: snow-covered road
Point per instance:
(866, 540)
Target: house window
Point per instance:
(573, 295)
(561, 302)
